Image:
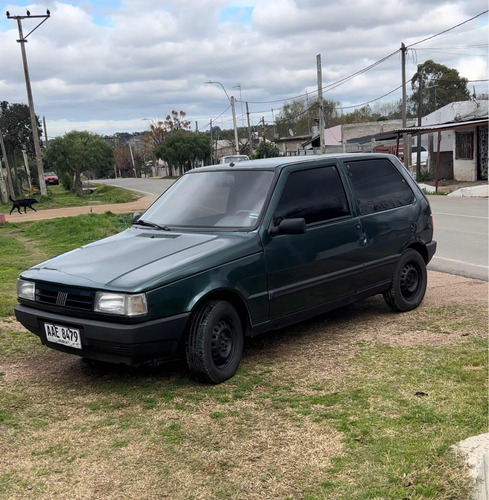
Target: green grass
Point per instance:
(399, 416)
(315, 411)
(25, 244)
(58, 197)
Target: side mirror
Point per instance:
(135, 217)
(289, 226)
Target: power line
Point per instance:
(337, 83)
(372, 100)
(447, 30)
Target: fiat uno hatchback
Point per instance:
(230, 251)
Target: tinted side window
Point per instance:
(378, 185)
(315, 195)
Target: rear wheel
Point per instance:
(215, 342)
(408, 282)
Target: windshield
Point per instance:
(213, 199)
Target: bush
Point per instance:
(67, 181)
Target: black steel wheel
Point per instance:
(409, 282)
(215, 342)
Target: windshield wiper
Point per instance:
(142, 222)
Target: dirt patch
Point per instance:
(92, 431)
(329, 341)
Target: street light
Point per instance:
(231, 100)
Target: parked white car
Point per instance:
(414, 156)
(233, 158)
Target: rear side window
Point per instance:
(316, 195)
(378, 185)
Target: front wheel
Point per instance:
(215, 342)
(408, 282)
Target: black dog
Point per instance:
(27, 202)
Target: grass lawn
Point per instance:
(361, 403)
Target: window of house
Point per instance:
(464, 145)
(316, 195)
(378, 185)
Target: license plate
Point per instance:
(63, 335)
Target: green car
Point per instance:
(235, 250)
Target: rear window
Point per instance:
(378, 185)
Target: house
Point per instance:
(456, 137)
(355, 137)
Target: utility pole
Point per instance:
(231, 100)
(35, 134)
(132, 161)
(250, 137)
(45, 132)
(321, 107)
(212, 156)
(405, 138)
(420, 109)
(235, 125)
(9, 174)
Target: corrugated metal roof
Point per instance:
(440, 127)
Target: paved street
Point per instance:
(147, 186)
(461, 230)
(461, 225)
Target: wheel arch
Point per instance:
(234, 298)
(420, 248)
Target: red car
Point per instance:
(51, 178)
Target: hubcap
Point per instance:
(222, 343)
(409, 280)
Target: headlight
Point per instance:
(121, 303)
(26, 289)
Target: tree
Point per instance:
(299, 116)
(440, 86)
(129, 160)
(181, 149)
(158, 130)
(266, 149)
(80, 152)
(15, 125)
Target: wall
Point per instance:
(465, 170)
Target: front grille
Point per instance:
(81, 300)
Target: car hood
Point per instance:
(141, 259)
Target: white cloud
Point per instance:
(149, 57)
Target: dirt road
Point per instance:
(54, 213)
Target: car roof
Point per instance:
(283, 161)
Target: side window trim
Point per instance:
(341, 183)
(375, 200)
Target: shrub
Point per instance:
(67, 181)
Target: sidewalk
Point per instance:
(54, 213)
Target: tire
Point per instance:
(214, 343)
(408, 284)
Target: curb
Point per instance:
(476, 452)
(474, 191)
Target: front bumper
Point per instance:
(129, 344)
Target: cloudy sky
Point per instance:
(111, 65)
